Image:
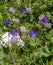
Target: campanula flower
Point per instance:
(14, 32)
(23, 10)
(33, 34)
(6, 23)
(45, 20)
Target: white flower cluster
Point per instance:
(5, 40)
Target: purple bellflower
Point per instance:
(33, 34)
(23, 10)
(6, 23)
(14, 32)
(45, 20)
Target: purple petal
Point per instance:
(45, 20)
(23, 10)
(33, 34)
(14, 32)
(6, 23)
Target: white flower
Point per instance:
(6, 37)
(29, 9)
(23, 29)
(21, 43)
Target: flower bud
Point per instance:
(12, 10)
(47, 25)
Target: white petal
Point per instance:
(5, 35)
(21, 42)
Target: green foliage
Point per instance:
(37, 51)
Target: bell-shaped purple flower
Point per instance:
(6, 23)
(45, 20)
(23, 10)
(33, 34)
(14, 32)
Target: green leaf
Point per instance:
(34, 42)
